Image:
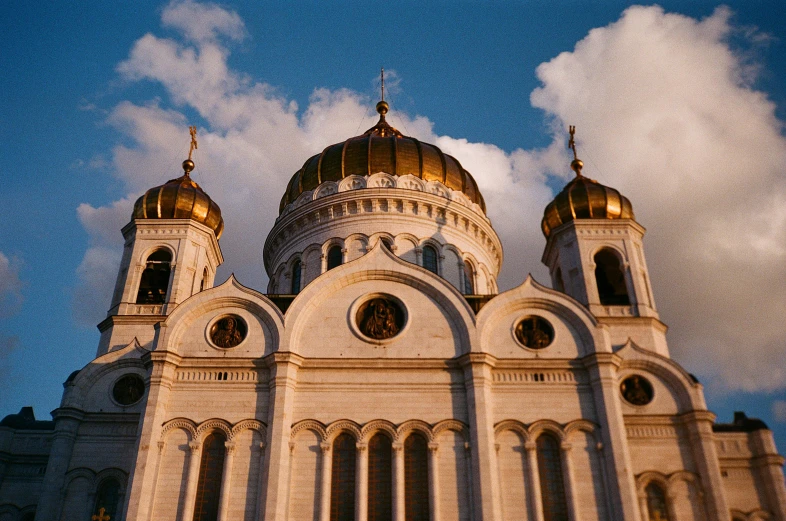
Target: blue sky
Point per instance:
(680, 107)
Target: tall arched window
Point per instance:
(155, 278)
(380, 479)
(430, 258)
(342, 484)
(203, 282)
(656, 502)
(334, 257)
(610, 279)
(469, 279)
(416, 478)
(210, 471)
(296, 269)
(552, 486)
(107, 497)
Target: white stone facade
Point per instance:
(456, 373)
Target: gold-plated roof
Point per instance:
(382, 148)
(180, 198)
(584, 198)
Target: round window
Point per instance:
(534, 332)
(228, 331)
(380, 317)
(129, 389)
(637, 390)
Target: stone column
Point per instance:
(361, 483)
(480, 403)
(433, 481)
(769, 466)
(226, 481)
(645, 513)
(533, 477)
(324, 482)
(283, 367)
(67, 421)
(192, 479)
(399, 505)
(570, 482)
(261, 479)
(699, 424)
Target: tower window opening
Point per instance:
(155, 278)
(211, 469)
(387, 243)
(559, 284)
(552, 485)
(469, 279)
(430, 258)
(656, 502)
(416, 503)
(203, 282)
(610, 279)
(380, 479)
(342, 485)
(296, 269)
(334, 257)
(107, 498)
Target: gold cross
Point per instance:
(194, 146)
(572, 142)
(101, 516)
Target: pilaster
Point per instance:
(699, 426)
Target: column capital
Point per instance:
(194, 446)
(433, 447)
(397, 446)
(565, 446)
(530, 446)
(325, 447)
(230, 447)
(263, 445)
(161, 446)
(361, 446)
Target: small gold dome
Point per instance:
(382, 148)
(180, 198)
(584, 198)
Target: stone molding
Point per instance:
(363, 433)
(563, 431)
(199, 431)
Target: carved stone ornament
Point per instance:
(380, 318)
(129, 389)
(637, 390)
(534, 332)
(228, 331)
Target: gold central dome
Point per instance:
(180, 198)
(382, 148)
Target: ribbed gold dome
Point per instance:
(382, 148)
(584, 198)
(180, 198)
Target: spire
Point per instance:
(577, 164)
(188, 164)
(382, 128)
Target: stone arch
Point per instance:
(410, 426)
(79, 472)
(339, 426)
(514, 426)
(214, 424)
(373, 427)
(253, 425)
(610, 273)
(581, 426)
(180, 423)
(675, 379)
(549, 426)
(311, 425)
(451, 425)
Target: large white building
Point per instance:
(382, 376)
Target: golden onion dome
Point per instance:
(584, 198)
(180, 198)
(382, 148)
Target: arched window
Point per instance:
(559, 284)
(430, 258)
(552, 486)
(210, 471)
(469, 279)
(387, 243)
(155, 278)
(203, 282)
(334, 257)
(380, 479)
(107, 497)
(296, 277)
(610, 279)
(416, 478)
(656, 503)
(342, 484)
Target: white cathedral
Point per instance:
(382, 377)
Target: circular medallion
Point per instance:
(534, 332)
(636, 390)
(129, 389)
(228, 331)
(380, 317)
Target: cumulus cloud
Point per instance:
(10, 286)
(665, 112)
(779, 410)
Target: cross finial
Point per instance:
(101, 516)
(382, 82)
(572, 142)
(194, 145)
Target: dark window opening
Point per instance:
(416, 478)
(380, 479)
(559, 284)
(430, 258)
(107, 497)
(296, 269)
(387, 243)
(209, 483)
(155, 278)
(552, 486)
(334, 257)
(469, 279)
(342, 484)
(610, 279)
(656, 502)
(203, 282)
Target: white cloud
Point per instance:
(10, 286)
(665, 113)
(779, 410)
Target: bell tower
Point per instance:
(171, 252)
(595, 253)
